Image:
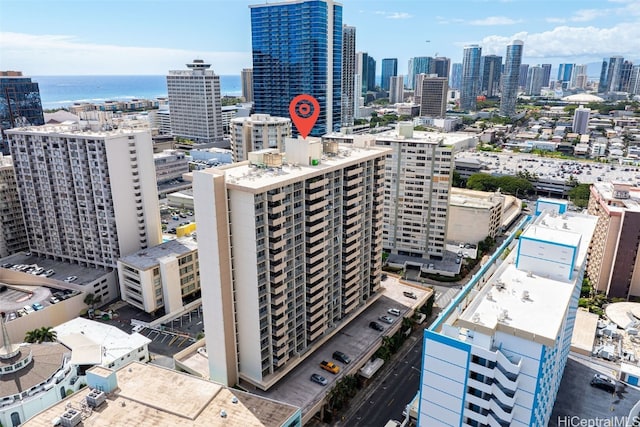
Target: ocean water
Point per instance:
(62, 91)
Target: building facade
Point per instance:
(297, 49)
(194, 102)
(455, 81)
(474, 215)
(389, 69)
(418, 175)
(348, 75)
(441, 66)
(164, 276)
(535, 77)
(510, 78)
(88, 197)
(498, 358)
(433, 96)
(470, 81)
(580, 122)
(257, 132)
(246, 75)
(13, 235)
(396, 89)
(20, 103)
(170, 165)
(613, 261)
(491, 71)
(293, 250)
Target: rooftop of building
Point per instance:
(97, 343)
(47, 359)
(463, 197)
(607, 190)
(5, 161)
(528, 304)
(149, 395)
(261, 118)
(76, 130)
(422, 137)
(148, 258)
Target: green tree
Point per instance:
(31, 336)
(91, 300)
(457, 180)
(43, 334)
(579, 195)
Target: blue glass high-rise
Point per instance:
(297, 49)
(510, 78)
(389, 68)
(20, 103)
(470, 85)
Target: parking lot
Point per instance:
(174, 218)
(577, 400)
(16, 301)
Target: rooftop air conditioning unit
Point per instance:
(525, 295)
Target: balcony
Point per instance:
(312, 196)
(312, 259)
(314, 298)
(352, 220)
(280, 353)
(312, 185)
(316, 216)
(312, 336)
(314, 287)
(511, 385)
(277, 256)
(277, 277)
(278, 310)
(313, 238)
(352, 191)
(277, 232)
(275, 245)
(275, 197)
(279, 322)
(350, 300)
(312, 269)
(278, 299)
(318, 315)
(279, 341)
(316, 227)
(353, 172)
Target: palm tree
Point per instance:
(47, 334)
(31, 336)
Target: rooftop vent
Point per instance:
(529, 274)
(565, 226)
(234, 399)
(525, 295)
(223, 414)
(499, 285)
(71, 418)
(96, 398)
(490, 296)
(475, 318)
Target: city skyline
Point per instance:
(62, 38)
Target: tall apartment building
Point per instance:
(289, 253)
(455, 81)
(419, 65)
(88, 197)
(389, 68)
(161, 277)
(348, 75)
(13, 236)
(634, 80)
(396, 89)
(441, 66)
(490, 73)
(614, 265)
(510, 78)
(579, 78)
(20, 103)
(546, 75)
(535, 75)
(297, 48)
(498, 358)
(246, 75)
(366, 69)
(564, 74)
(194, 101)
(257, 132)
(614, 73)
(418, 175)
(522, 79)
(470, 81)
(580, 122)
(433, 96)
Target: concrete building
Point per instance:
(246, 75)
(534, 79)
(613, 261)
(474, 215)
(396, 89)
(162, 277)
(94, 343)
(490, 73)
(88, 197)
(170, 165)
(433, 96)
(160, 119)
(144, 394)
(348, 75)
(581, 120)
(13, 236)
(510, 78)
(257, 132)
(498, 355)
(290, 249)
(418, 176)
(194, 100)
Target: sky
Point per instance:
(85, 37)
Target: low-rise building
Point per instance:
(160, 277)
(170, 165)
(474, 215)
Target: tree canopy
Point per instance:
(579, 195)
(507, 184)
(44, 334)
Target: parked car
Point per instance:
(394, 311)
(341, 357)
(28, 309)
(603, 382)
(49, 273)
(377, 326)
(319, 379)
(11, 316)
(409, 295)
(386, 319)
(70, 279)
(54, 300)
(7, 265)
(330, 367)
(37, 306)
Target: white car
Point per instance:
(70, 279)
(394, 311)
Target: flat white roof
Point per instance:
(114, 343)
(145, 259)
(425, 137)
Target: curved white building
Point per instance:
(257, 132)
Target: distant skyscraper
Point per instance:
(546, 75)
(470, 87)
(490, 71)
(20, 103)
(433, 99)
(194, 102)
(247, 84)
(581, 120)
(602, 83)
(420, 65)
(535, 76)
(510, 78)
(455, 81)
(88, 197)
(371, 73)
(389, 68)
(614, 73)
(297, 48)
(442, 66)
(524, 71)
(625, 76)
(564, 74)
(348, 74)
(579, 78)
(634, 80)
(365, 67)
(396, 89)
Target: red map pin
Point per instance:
(304, 111)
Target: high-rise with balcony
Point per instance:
(348, 75)
(13, 237)
(396, 89)
(497, 356)
(20, 103)
(470, 82)
(510, 78)
(614, 73)
(389, 69)
(418, 175)
(433, 96)
(297, 49)
(289, 253)
(257, 132)
(194, 102)
(88, 197)
(246, 76)
(490, 72)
